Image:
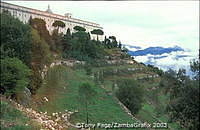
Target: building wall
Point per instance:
(24, 14)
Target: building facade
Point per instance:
(24, 14)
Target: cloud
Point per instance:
(140, 23)
(173, 60)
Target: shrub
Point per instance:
(14, 76)
(130, 94)
(15, 36)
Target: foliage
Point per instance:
(81, 47)
(130, 93)
(88, 69)
(124, 49)
(113, 41)
(155, 69)
(58, 23)
(86, 94)
(97, 32)
(15, 38)
(41, 54)
(40, 26)
(184, 97)
(40, 57)
(14, 76)
(66, 40)
(185, 108)
(79, 28)
(57, 40)
(120, 45)
(194, 66)
(102, 109)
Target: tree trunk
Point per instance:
(86, 113)
(97, 38)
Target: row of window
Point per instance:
(17, 13)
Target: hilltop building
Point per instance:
(24, 14)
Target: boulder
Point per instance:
(24, 98)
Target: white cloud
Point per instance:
(170, 60)
(139, 23)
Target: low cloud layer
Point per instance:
(175, 59)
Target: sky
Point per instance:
(138, 23)
(141, 23)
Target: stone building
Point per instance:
(24, 14)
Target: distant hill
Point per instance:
(155, 51)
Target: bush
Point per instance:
(82, 48)
(130, 94)
(14, 76)
(15, 36)
(40, 57)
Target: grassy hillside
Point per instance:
(13, 119)
(61, 87)
(55, 96)
(66, 96)
(105, 108)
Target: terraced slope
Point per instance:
(60, 93)
(105, 108)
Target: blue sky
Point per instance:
(138, 23)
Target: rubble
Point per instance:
(53, 121)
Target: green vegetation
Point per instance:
(58, 24)
(66, 96)
(12, 119)
(79, 28)
(15, 39)
(97, 32)
(184, 100)
(92, 89)
(40, 57)
(40, 26)
(14, 76)
(131, 95)
(87, 95)
(79, 46)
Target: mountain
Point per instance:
(163, 57)
(155, 51)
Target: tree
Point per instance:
(40, 26)
(14, 76)
(87, 95)
(124, 49)
(97, 32)
(113, 41)
(79, 28)
(120, 45)
(40, 57)
(57, 39)
(66, 40)
(58, 24)
(185, 108)
(80, 46)
(130, 93)
(15, 37)
(184, 102)
(89, 37)
(194, 67)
